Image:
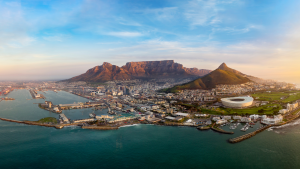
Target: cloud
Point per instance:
(125, 34)
(200, 13)
(161, 14)
(56, 38)
(204, 12)
(123, 21)
(14, 27)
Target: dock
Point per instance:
(249, 135)
(222, 131)
(60, 126)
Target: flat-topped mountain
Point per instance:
(222, 75)
(139, 70)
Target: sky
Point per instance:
(54, 39)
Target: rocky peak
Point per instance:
(223, 66)
(106, 64)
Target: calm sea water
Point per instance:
(141, 146)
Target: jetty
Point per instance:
(203, 128)
(249, 135)
(35, 95)
(7, 98)
(34, 123)
(60, 126)
(221, 130)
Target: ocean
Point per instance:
(138, 146)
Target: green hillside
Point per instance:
(222, 75)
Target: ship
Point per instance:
(111, 112)
(93, 115)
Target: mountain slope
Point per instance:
(223, 66)
(137, 70)
(222, 75)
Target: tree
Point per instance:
(261, 111)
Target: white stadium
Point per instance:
(237, 102)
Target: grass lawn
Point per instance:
(268, 109)
(275, 96)
(47, 120)
(270, 96)
(207, 111)
(292, 98)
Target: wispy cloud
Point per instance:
(161, 14)
(56, 38)
(234, 30)
(14, 27)
(201, 13)
(204, 12)
(123, 21)
(125, 34)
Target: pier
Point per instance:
(35, 95)
(222, 131)
(203, 128)
(60, 126)
(249, 135)
(32, 123)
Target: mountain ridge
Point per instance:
(139, 70)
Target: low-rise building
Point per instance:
(254, 116)
(237, 117)
(246, 119)
(64, 118)
(275, 120)
(201, 115)
(182, 114)
(222, 121)
(56, 109)
(283, 111)
(170, 118)
(226, 117)
(216, 118)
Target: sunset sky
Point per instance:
(48, 39)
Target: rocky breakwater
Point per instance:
(33, 123)
(249, 135)
(217, 129)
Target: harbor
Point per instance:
(159, 137)
(106, 115)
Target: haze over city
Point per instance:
(41, 40)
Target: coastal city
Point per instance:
(171, 84)
(143, 102)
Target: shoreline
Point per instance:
(93, 127)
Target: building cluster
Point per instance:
(272, 120)
(289, 108)
(247, 119)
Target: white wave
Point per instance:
(294, 123)
(72, 127)
(130, 125)
(268, 151)
(279, 132)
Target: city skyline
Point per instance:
(44, 40)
